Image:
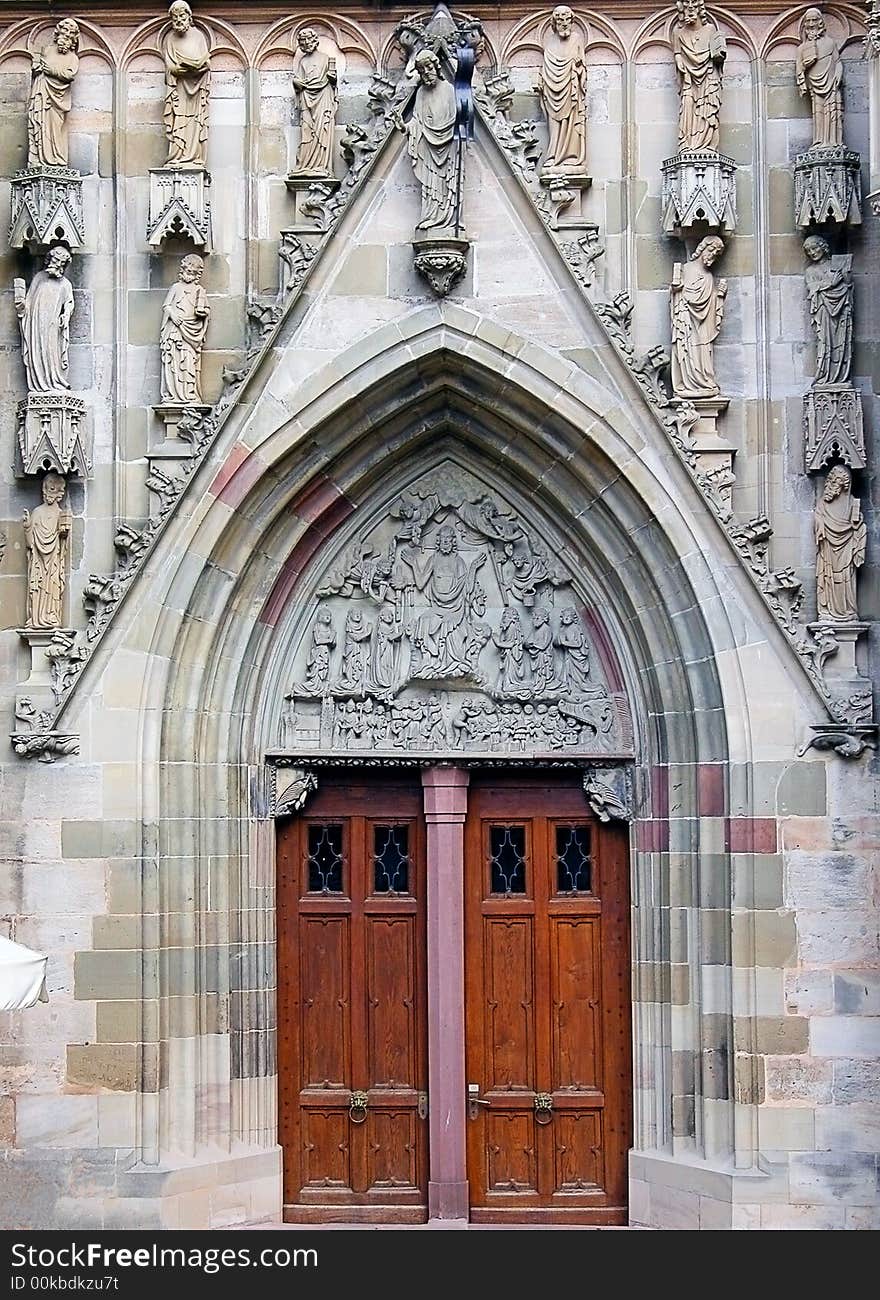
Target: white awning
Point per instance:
(22, 976)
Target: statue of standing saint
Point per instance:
(840, 547)
(697, 306)
(314, 80)
(187, 85)
(562, 85)
(830, 294)
(699, 51)
(430, 140)
(185, 315)
(44, 313)
(52, 72)
(819, 72)
(46, 533)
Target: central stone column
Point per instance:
(445, 793)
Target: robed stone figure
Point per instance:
(44, 313)
(46, 534)
(819, 71)
(840, 547)
(185, 315)
(830, 295)
(430, 143)
(699, 51)
(314, 80)
(562, 86)
(187, 86)
(697, 306)
(52, 74)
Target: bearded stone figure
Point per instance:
(830, 295)
(46, 534)
(699, 51)
(53, 71)
(44, 313)
(819, 73)
(430, 144)
(184, 324)
(562, 85)
(840, 547)
(187, 86)
(697, 307)
(314, 80)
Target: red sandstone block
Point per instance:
(751, 834)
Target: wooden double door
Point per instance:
(546, 1111)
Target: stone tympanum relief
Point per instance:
(51, 421)
(53, 70)
(562, 86)
(827, 175)
(840, 548)
(185, 314)
(314, 83)
(697, 307)
(179, 191)
(46, 534)
(699, 191)
(448, 626)
(46, 200)
(833, 424)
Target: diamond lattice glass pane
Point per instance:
(390, 859)
(573, 859)
(507, 854)
(325, 859)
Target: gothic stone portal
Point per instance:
(448, 626)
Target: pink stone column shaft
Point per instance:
(445, 794)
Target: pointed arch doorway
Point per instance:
(454, 999)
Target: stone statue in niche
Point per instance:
(314, 80)
(699, 51)
(840, 547)
(697, 307)
(444, 643)
(819, 71)
(430, 143)
(187, 86)
(830, 295)
(185, 315)
(46, 534)
(53, 70)
(44, 313)
(562, 85)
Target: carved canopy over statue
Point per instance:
(830, 295)
(187, 87)
(819, 72)
(449, 626)
(699, 50)
(840, 548)
(53, 71)
(697, 307)
(562, 85)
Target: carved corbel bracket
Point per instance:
(699, 194)
(847, 741)
(833, 427)
(180, 205)
(441, 261)
(46, 209)
(608, 791)
(291, 789)
(53, 435)
(827, 187)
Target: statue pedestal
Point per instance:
(311, 193)
(566, 192)
(180, 205)
(172, 414)
(46, 208)
(37, 686)
(833, 426)
(714, 454)
(827, 187)
(699, 194)
(52, 434)
(440, 259)
(840, 669)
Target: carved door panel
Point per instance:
(351, 1000)
(548, 1029)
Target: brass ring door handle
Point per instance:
(357, 1107)
(543, 1107)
